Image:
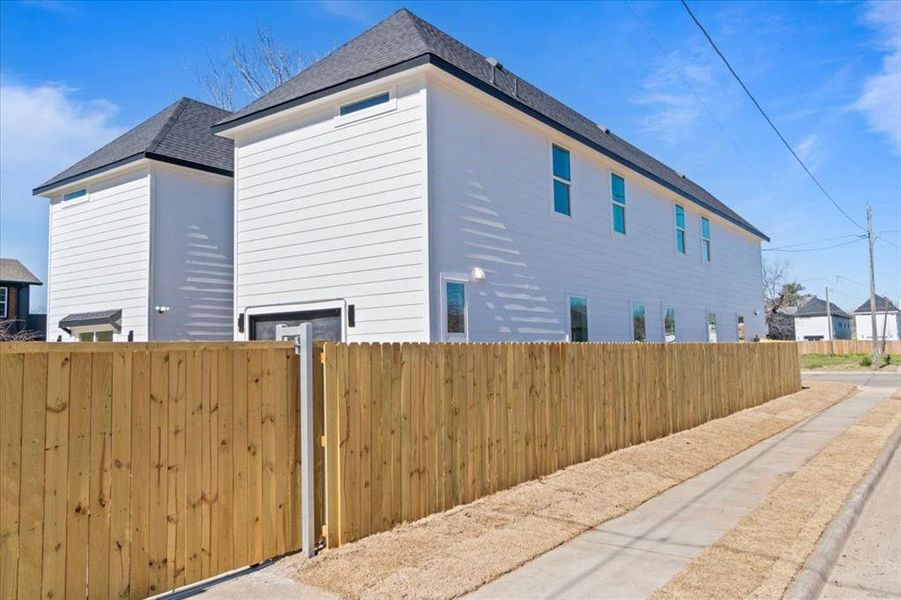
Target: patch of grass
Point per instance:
(844, 361)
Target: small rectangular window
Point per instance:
(711, 327)
(4, 301)
(365, 103)
(639, 333)
(95, 336)
(680, 229)
(705, 239)
(74, 195)
(618, 192)
(578, 319)
(562, 180)
(455, 300)
(669, 325)
(86, 336)
(741, 328)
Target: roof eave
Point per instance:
(436, 61)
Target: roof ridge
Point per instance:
(167, 126)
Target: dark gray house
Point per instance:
(15, 290)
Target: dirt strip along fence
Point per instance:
(415, 429)
(848, 347)
(130, 469)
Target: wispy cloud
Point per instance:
(44, 128)
(354, 10)
(880, 100)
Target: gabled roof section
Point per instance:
(817, 308)
(883, 304)
(180, 134)
(12, 271)
(403, 41)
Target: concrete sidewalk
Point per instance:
(870, 562)
(633, 555)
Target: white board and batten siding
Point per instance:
(490, 177)
(99, 253)
(150, 235)
(331, 208)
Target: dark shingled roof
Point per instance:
(817, 308)
(13, 271)
(111, 317)
(179, 134)
(404, 41)
(883, 304)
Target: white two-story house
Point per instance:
(812, 321)
(888, 320)
(141, 234)
(406, 187)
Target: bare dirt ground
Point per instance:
(451, 553)
(759, 557)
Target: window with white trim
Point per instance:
(669, 324)
(741, 328)
(639, 329)
(4, 301)
(618, 196)
(711, 327)
(680, 229)
(96, 336)
(562, 180)
(578, 319)
(365, 103)
(705, 239)
(75, 195)
(454, 309)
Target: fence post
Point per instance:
(303, 345)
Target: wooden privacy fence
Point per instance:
(131, 469)
(414, 429)
(848, 347)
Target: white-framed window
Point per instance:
(328, 317)
(96, 336)
(740, 327)
(578, 318)
(679, 216)
(639, 325)
(618, 202)
(711, 327)
(367, 106)
(669, 324)
(705, 239)
(75, 195)
(4, 302)
(562, 174)
(454, 310)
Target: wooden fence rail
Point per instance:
(414, 429)
(847, 347)
(132, 469)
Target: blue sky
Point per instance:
(75, 75)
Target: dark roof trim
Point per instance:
(127, 160)
(493, 92)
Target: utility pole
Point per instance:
(874, 347)
(829, 323)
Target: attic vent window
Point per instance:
(75, 195)
(365, 103)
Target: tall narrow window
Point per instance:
(455, 302)
(578, 319)
(618, 193)
(669, 325)
(680, 229)
(562, 180)
(639, 332)
(4, 301)
(705, 239)
(711, 327)
(741, 328)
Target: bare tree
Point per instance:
(8, 332)
(247, 71)
(779, 292)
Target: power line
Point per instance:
(768, 120)
(882, 239)
(820, 241)
(854, 241)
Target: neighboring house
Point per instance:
(15, 291)
(812, 321)
(406, 187)
(888, 319)
(141, 234)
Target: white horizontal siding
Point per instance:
(329, 210)
(99, 254)
(491, 203)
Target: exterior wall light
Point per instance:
(477, 275)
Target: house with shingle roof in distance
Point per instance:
(141, 234)
(15, 301)
(812, 321)
(408, 188)
(888, 319)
